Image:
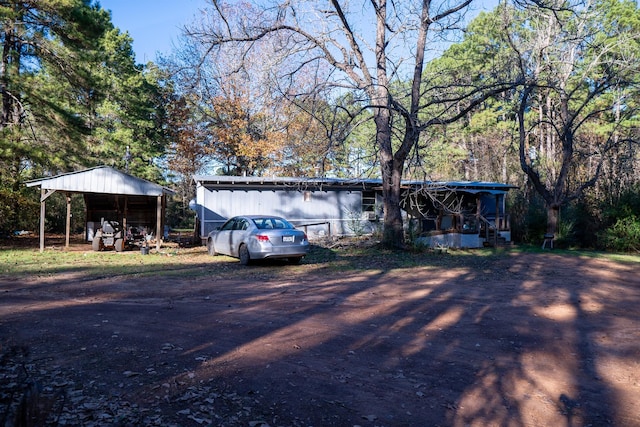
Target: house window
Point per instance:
(368, 201)
(306, 196)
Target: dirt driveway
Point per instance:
(515, 339)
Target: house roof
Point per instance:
(101, 179)
(249, 182)
(275, 180)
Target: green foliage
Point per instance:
(621, 223)
(444, 159)
(528, 216)
(128, 131)
(56, 214)
(179, 215)
(628, 204)
(566, 234)
(72, 97)
(18, 211)
(50, 47)
(623, 236)
(585, 223)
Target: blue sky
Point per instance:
(154, 25)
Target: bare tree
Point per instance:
(578, 65)
(374, 48)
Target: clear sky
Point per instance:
(154, 25)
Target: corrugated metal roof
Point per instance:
(101, 179)
(258, 182)
(252, 180)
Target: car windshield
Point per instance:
(272, 223)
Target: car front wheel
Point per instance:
(243, 254)
(210, 248)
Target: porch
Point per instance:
(455, 217)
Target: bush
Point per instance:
(565, 235)
(623, 236)
(528, 216)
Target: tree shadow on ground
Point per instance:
(393, 339)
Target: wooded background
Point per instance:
(542, 94)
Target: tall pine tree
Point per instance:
(46, 44)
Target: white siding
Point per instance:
(324, 213)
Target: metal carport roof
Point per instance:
(101, 179)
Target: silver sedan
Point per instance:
(258, 237)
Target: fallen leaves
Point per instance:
(38, 394)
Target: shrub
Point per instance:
(528, 216)
(623, 236)
(565, 235)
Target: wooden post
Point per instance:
(124, 217)
(159, 231)
(43, 204)
(498, 213)
(44, 194)
(68, 224)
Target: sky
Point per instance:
(154, 25)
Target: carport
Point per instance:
(107, 193)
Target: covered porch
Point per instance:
(459, 214)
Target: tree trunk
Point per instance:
(553, 218)
(393, 224)
(391, 169)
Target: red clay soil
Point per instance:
(520, 339)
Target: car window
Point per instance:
(276, 223)
(283, 224)
(229, 225)
(263, 223)
(242, 225)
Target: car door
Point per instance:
(238, 235)
(222, 240)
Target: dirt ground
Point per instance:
(519, 339)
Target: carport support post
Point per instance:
(68, 225)
(126, 213)
(44, 194)
(43, 209)
(159, 223)
(498, 224)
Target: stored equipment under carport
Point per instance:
(111, 236)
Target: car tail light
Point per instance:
(262, 237)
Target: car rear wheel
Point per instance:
(119, 245)
(243, 254)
